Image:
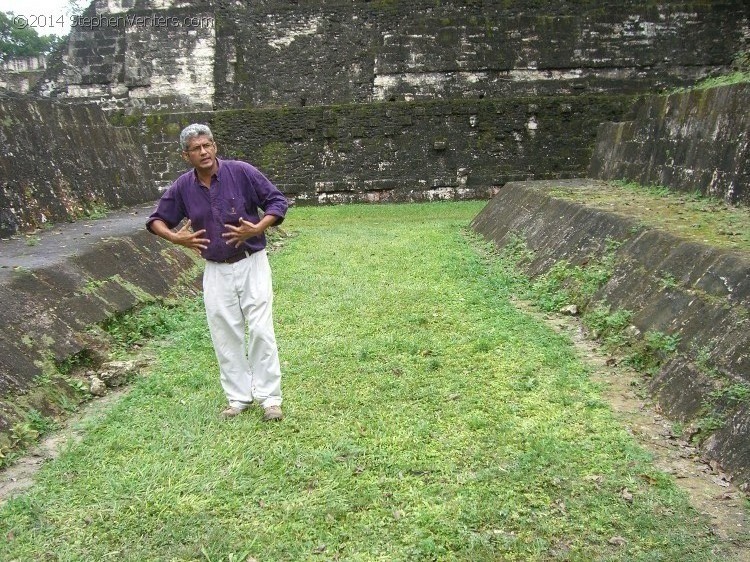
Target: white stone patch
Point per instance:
(729, 193)
(712, 186)
(473, 77)
(415, 60)
(194, 75)
(382, 84)
(24, 64)
(441, 194)
(462, 177)
(526, 75)
(287, 36)
(422, 83)
(94, 91)
(328, 158)
(231, 62)
(726, 284)
(649, 29)
(532, 125)
(323, 186)
(120, 6)
(426, 79)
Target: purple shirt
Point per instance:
(237, 190)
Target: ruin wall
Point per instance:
(192, 53)
(695, 141)
(397, 151)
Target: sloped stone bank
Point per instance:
(72, 279)
(692, 141)
(59, 162)
(672, 285)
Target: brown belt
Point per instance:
(234, 259)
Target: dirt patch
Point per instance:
(711, 492)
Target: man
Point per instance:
(221, 198)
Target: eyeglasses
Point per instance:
(200, 148)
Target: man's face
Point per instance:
(201, 153)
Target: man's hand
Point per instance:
(189, 239)
(238, 234)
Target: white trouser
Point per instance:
(238, 299)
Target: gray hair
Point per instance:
(192, 131)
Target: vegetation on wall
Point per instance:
(739, 74)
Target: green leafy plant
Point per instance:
(565, 283)
(650, 352)
(608, 325)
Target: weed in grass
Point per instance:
(731, 395)
(737, 77)
(706, 425)
(232, 557)
(693, 216)
(94, 210)
(39, 422)
(81, 359)
(23, 433)
(719, 404)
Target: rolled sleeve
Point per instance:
(270, 199)
(169, 209)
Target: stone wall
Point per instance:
(20, 74)
(697, 141)
(156, 54)
(399, 151)
(59, 162)
(342, 51)
(223, 54)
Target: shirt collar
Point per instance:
(216, 174)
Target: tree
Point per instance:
(19, 41)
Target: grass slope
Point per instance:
(427, 419)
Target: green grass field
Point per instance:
(426, 419)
